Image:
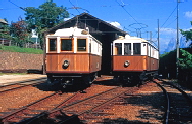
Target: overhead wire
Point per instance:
(167, 20)
(74, 7)
(171, 23)
(16, 5)
(126, 11)
(128, 4)
(123, 5)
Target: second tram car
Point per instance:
(72, 56)
(134, 59)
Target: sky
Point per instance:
(130, 15)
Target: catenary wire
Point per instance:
(123, 5)
(166, 20)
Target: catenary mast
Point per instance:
(177, 44)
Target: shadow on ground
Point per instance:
(58, 87)
(152, 102)
(115, 82)
(78, 86)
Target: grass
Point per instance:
(12, 74)
(21, 50)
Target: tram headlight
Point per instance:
(126, 63)
(66, 63)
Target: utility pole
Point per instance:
(151, 36)
(158, 38)
(177, 45)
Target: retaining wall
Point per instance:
(20, 62)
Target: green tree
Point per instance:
(186, 66)
(45, 16)
(4, 33)
(186, 61)
(6, 36)
(19, 32)
(187, 34)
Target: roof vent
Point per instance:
(85, 31)
(127, 36)
(121, 38)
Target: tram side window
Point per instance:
(127, 49)
(66, 45)
(81, 44)
(136, 48)
(52, 45)
(118, 48)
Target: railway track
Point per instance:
(44, 104)
(178, 106)
(54, 101)
(21, 84)
(68, 113)
(79, 107)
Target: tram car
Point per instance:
(134, 59)
(72, 56)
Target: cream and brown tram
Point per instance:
(134, 59)
(72, 56)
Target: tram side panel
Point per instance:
(95, 63)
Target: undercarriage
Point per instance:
(70, 80)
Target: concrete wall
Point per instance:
(20, 62)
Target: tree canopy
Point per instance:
(45, 16)
(19, 32)
(186, 61)
(187, 34)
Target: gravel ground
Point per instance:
(14, 100)
(143, 106)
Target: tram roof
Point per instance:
(127, 38)
(72, 31)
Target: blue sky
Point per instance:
(130, 15)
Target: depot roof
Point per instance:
(95, 25)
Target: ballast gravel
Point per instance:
(146, 105)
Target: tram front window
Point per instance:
(136, 48)
(118, 48)
(66, 45)
(127, 49)
(81, 44)
(52, 45)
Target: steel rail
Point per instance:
(91, 109)
(184, 94)
(89, 98)
(7, 117)
(181, 90)
(19, 87)
(47, 113)
(166, 117)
